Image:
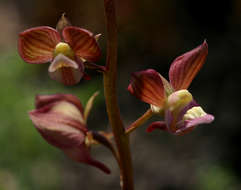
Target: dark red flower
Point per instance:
(181, 112)
(61, 121)
(67, 49)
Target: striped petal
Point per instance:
(148, 86)
(82, 42)
(36, 45)
(57, 129)
(185, 67)
(65, 70)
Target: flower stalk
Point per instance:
(140, 121)
(121, 139)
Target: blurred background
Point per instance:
(151, 35)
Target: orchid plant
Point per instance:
(62, 121)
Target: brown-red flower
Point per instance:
(61, 121)
(67, 48)
(181, 112)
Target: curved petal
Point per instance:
(48, 100)
(148, 86)
(36, 45)
(65, 70)
(59, 130)
(82, 42)
(191, 124)
(157, 125)
(82, 154)
(185, 67)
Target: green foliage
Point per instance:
(216, 177)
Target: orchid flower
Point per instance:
(61, 121)
(172, 99)
(67, 48)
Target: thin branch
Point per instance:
(140, 121)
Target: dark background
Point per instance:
(152, 33)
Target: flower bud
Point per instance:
(61, 122)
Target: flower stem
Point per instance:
(141, 120)
(121, 139)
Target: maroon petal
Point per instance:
(48, 100)
(36, 45)
(65, 70)
(157, 125)
(59, 130)
(82, 42)
(148, 86)
(82, 154)
(185, 67)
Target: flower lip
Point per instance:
(205, 119)
(62, 61)
(65, 70)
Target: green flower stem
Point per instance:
(141, 120)
(121, 139)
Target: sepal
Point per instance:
(82, 42)
(36, 45)
(62, 23)
(185, 67)
(147, 86)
